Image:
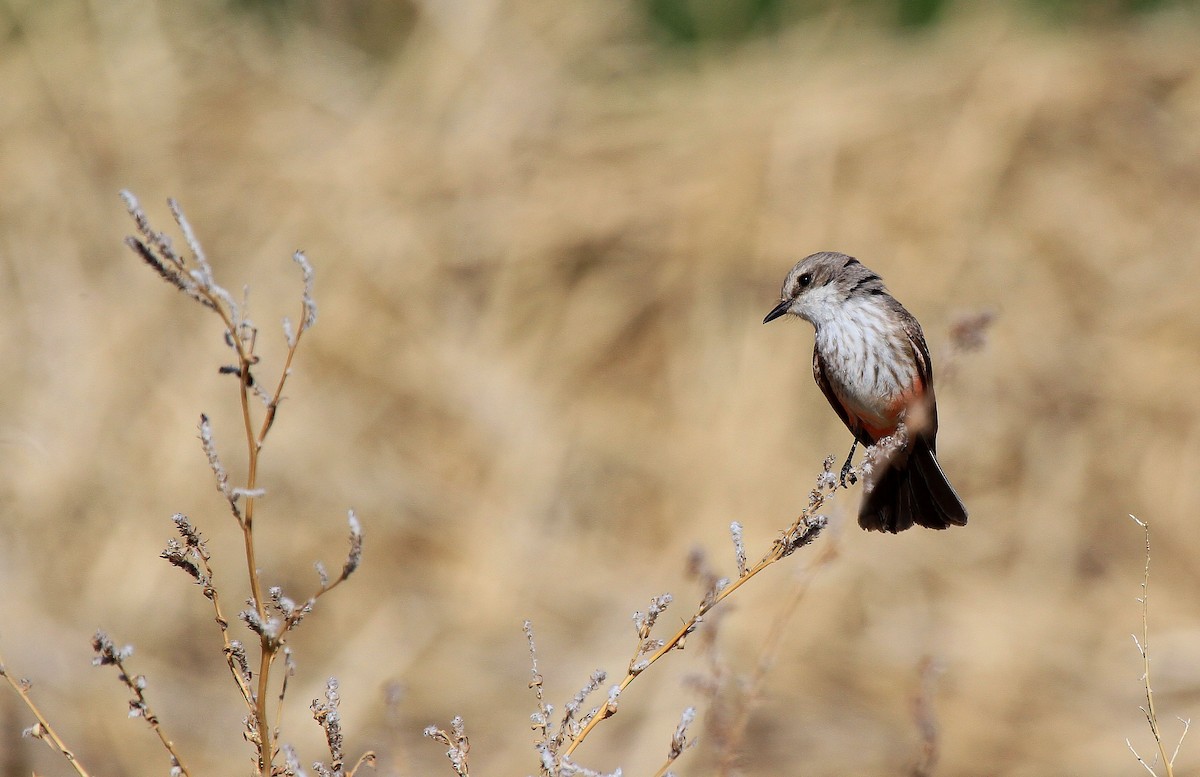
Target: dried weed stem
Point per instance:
(766, 660)
(193, 557)
(107, 654)
(42, 729)
(271, 615)
(679, 741)
(457, 744)
(803, 531)
(1143, 647)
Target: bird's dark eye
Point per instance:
(805, 280)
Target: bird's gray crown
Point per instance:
(850, 276)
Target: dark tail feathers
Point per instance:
(910, 489)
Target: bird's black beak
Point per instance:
(777, 311)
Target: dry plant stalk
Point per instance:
(107, 654)
(42, 729)
(556, 744)
(270, 617)
(193, 558)
(679, 741)
(270, 614)
(456, 742)
(803, 531)
(735, 717)
(1143, 648)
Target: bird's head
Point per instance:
(820, 283)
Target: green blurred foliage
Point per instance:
(379, 27)
(694, 21)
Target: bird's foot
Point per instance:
(847, 475)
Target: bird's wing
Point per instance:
(826, 387)
(920, 352)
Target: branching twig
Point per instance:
(556, 749)
(807, 526)
(42, 729)
(192, 556)
(456, 742)
(679, 741)
(107, 654)
(1143, 647)
(270, 616)
(752, 687)
(329, 717)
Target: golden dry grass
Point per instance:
(543, 251)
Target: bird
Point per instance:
(871, 362)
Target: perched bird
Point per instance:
(872, 364)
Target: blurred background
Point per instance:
(545, 236)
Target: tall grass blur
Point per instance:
(544, 237)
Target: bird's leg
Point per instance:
(846, 473)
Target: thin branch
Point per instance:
(366, 759)
(289, 671)
(194, 276)
(803, 531)
(1139, 758)
(329, 718)
(43, 730)
(193, 557)
(1187, 725)
(679, 740)
(107, 654)
(457, 744)
(1143, 647)
(766, 657)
